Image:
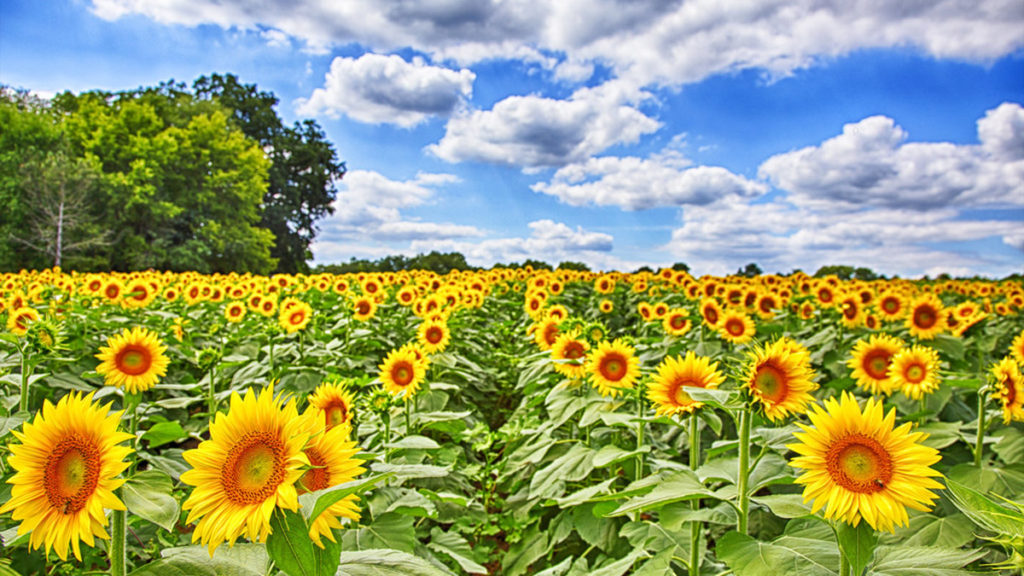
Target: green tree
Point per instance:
(303, 170)
(570, 265)
(750, 270)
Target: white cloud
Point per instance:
(386, 89)
(871, 164)
(640, 183)
(276, 38)
(535, 132)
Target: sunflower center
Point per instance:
(914, 373)
(890, 305)
(876, 364)
(434, 335)
(573, 350)
(679, 395)
(317, 477)
(859, 463)
(254, 468)
(678, 322)
(711, 315)
(735, 327)
(402, 373)
(297, 318)
(770, 382)
(613, 367)
(1009, 392)
(336, 413)
(72, 473)
(925, 317)
(133, 360)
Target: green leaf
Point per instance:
(1009, 447)
(237, 560)
(984, 511)
(11, 422)
(388, 530)
(572, 466)
(584, 495)
(680, 485)
(455, 547)
(314, 503)
(786, 555)
(1005, 480)
(922, 561)
(610, 454)
(164, 433)
(384, 562)
(620, 566)
(784, 505)
(857, 544)
(409, 471)
(531, 547)
(414, 442)
(952, 531)
(289, 544)
(595, 531)
(147, 494)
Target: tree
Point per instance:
(303, 170)
(56, 200)
(570, 265)
(681, 267)
(750, 270)
(839, 271)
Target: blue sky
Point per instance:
(790, 134)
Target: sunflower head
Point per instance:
(335, 402)
(676, 322)
(857, 464)
(925, 316)
(133, 360)
(1009, 387)
(545, 333)
(1017, 348)
(915, 371)
(295, 316)
(613, 366)
(668, 387)
(433, 336)
(67, 462)
(870, 363)
(20, 319)
(247, 468)
(779, 378)
(736, 326)
(710, 312)
(570, 353)
(331, 453)
(402, 373)
(234, 312)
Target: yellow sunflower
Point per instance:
(335, 402)
(674, 374)
(779, 378)
(248, 467)
(915, 371)
(1009, 389)
(295, 316)
(606, 306)
(859, 465)
(401, 373)
(736, 327)
(234, 312)
(19, 320)
(870, 363)
(570, 352)
(676, 322)
(331, 458)
(363, 309)
(1017, 347)
(133, 360)
(433, 336)
(545, 333)
(711, 312)
(613, 366)
(66, 466)
(925, 317)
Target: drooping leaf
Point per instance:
(147, 494)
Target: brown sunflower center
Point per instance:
(336, 413)
(317, 477)
(890, 305)
(297, 318)
(876, 364)
(771, 383)
(1009, 392)
(613, 367)
(434, 335)
(133, 360)
(71, 474)
(402, 373)
(925, 317)
(363, 308)
(677, 322)
(766, 305)
(711, 315)
(679, 396)
(254, 468)
(914, 373)
(112, 292)
(859, 463)
(573, 350)
(735, 327)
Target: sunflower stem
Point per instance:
(211, 399)
(26, 372)
(639, 431)
(978, 442)
(696, 529)
(408, 410)
(118, 542)
(844, 564)
(741, 487)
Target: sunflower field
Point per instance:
(510, 422)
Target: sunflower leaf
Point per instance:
(314, 503)
(385, 563)
(857, 544)
(147, 494)
(292, 550)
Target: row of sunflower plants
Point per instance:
(509, 421)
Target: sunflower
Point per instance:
(606, 306)
(569, 353)
(1017, 347)
(1009, 389)
(295, 316)
(767, 304)
(19, 320)
(112, 290)
(925, 317)
(604, 285)
(406, 295)
(676, 322)
(330, 455)
(335, 403)
(859, 465)
(545, 333)
(248, 467)
(401, 373)
(736, 327)
(674, 374)
(646, 311)
(915, 371)
(433, 336)
(851, 313)
(612, 366)
(363, 309)
(779, 378)
(133, 360)
(234, 312)
(870, 363)
(711, 312)
(66, 467)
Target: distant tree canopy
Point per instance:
(439, 262)
(846, 272)
(175, 182)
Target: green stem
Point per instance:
(271, 338)
(696, 528)
(978, 447)
(118, 538)
(26, 371)
(211, 399)
(408, 410)
(741, 495)
(639, 432)
(845, 569)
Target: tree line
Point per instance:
(204, 177)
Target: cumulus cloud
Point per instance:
(386, 89)
(536, 132)
(635, 183)
(369, 207)
(872, 164)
